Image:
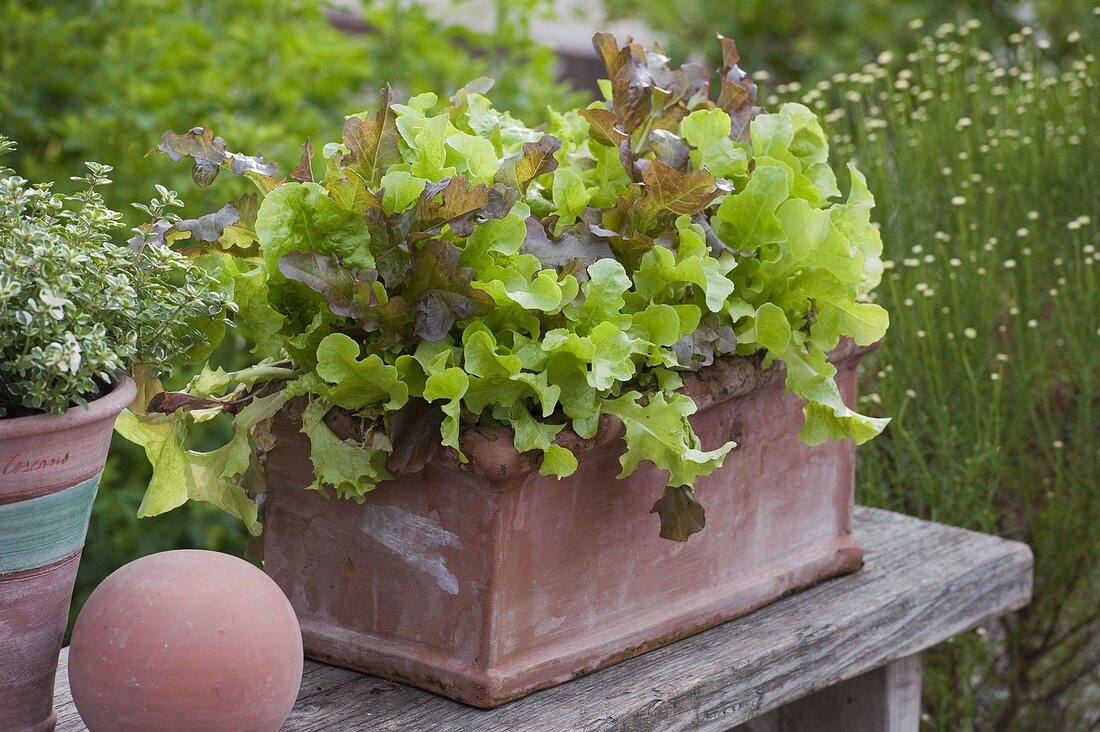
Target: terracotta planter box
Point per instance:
(49, 472)
(486, 581)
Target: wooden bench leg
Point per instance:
(884, 700)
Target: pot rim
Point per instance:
(491, 449)
(105, 407)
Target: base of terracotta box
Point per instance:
(47, 725)
(443, 674)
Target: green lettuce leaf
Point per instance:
(351, 468)
(747, 220)
(708, 132)
(354, 383)
(658, 431)
(811, 376)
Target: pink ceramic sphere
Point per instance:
(186, 640)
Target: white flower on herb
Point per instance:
(54, 305)
(72, 354)
(66, 357)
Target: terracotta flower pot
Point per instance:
(486, 581)
(49, 471)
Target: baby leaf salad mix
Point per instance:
(445, 266)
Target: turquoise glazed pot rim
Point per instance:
(103, 408)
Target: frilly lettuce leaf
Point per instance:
(351, 468)
(708, 132)
(354, 384)
(658, 431)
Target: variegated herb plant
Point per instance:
(77, 309)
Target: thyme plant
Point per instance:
(77, 309)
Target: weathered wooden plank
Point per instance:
(903, 684)
(886, 699)
(922, 583)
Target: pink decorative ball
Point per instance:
(186, 640)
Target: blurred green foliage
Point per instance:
(102, 80)
(805, 40)
(420, 49)
(986, 166)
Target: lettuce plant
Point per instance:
(447, 266)
(76, 309)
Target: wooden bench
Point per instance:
(841, 656)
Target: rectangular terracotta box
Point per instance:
(486, 581)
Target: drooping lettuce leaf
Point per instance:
(181, 474)
(209, 155)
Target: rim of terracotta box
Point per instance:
(493, 457)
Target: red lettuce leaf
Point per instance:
(681, 513)
(372, 143)
(738, 95)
